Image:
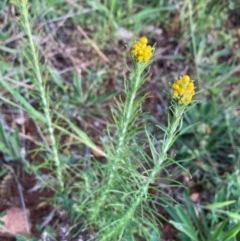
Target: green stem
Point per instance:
(143, 192)
(126, 120)
(42, 91)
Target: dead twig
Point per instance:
(93, 44)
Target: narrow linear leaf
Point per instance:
(233, 215)
(85, 139)
(220, 204)
(232, 233)
(29, 109)
(184, 229)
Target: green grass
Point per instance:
(78, 99)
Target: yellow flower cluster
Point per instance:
(183, 90)
(141, 51)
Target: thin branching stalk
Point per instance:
(142, 193)
(42, 90)
(126, 119)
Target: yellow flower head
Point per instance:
(141, 51)
(183, 90)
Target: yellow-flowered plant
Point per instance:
(142, 51)
(119, 188)
(183, 90)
